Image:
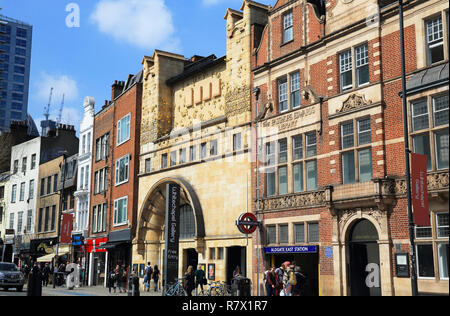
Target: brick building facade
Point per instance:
(115, 165)
(330, 133)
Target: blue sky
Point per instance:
(112, 38)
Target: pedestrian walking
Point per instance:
(297, 290)
(148, 276)
(200, 278)
(189, 281)
(35, 281)
(45, 275)
(270, 281)
(156, 274)
(279, 272)
(118, 276)
(112, 281)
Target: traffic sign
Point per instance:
(247, 223)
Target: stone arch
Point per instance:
(152, 213)
(348, 221)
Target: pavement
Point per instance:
(88, 291)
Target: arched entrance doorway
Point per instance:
(364, 260)
(150, 233)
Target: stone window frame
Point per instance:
(443, 41)
(291, 233)
(292, 89)
(435, 241)
(287, 21)
(304, 159)
(431, 130)
(357, 148)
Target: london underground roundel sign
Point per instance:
(247, 223)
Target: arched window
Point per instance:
(363, 231)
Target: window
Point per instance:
(40, 219)
(435, 40)
(311, 146)
(360, 65)
(24, 164)
(29, 220)
(20, 79)
(11, 221)
(42, 186)
(81, 180)
(299, 233)
(282, 95)
(295, 90)
(21, 32)
(148, 165)
(47, 219)
(83, 145)
(55, 183)
(86, 177)
(187, 222)
(212, 253)
(356, 163)
(120, 211)
(101, 181)
(122, 169)
(102, 147)
(203, 151)
(16, 166)
(237, 142)
(270, 172)
(2, 192)
(288, 27)
(213, 150)
(52, 225)
(33, 161)
(173, 158)
(283, 234)
(282, 181)
(430, 133)
(182, 155)
(192, 153)
(425, 264)
(70, 166)
(432, 247)
(49, 185)
(123, 130)
(442, 225)
(14, 193)
(346, 65)
(313, 232)
(22, 192)
(1, 214)
(21, 42)
(164, 161)
(271, 235)
(19, 222)
(19, 70)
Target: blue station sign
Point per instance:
(291, 249)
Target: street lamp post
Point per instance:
(407, 154)
(257, 91)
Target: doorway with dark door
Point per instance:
(236, 256)
(191, 256)
(364, 260)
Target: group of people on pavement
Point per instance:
(151, 274)
(117, 279)
(194, 279)
(287, 280)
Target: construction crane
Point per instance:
(47, 110)
(58, 121)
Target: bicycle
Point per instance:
(174, 289)
(218, 288)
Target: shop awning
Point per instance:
(63, 250)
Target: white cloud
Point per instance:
(62, 85)
(147, 24)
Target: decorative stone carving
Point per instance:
(436, 182)
(237, 101)
(354, 101)
(295, 201)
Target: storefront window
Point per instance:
(425, 262)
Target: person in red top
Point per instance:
(271, 281)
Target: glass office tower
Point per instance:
(15, 60)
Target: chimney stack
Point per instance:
(117, 89)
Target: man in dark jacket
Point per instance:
(35, 281)
(45, 275)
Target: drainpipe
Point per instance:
(414, 287)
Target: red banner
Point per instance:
(420, 190)
(66, 229)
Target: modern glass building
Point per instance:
(15, 60)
